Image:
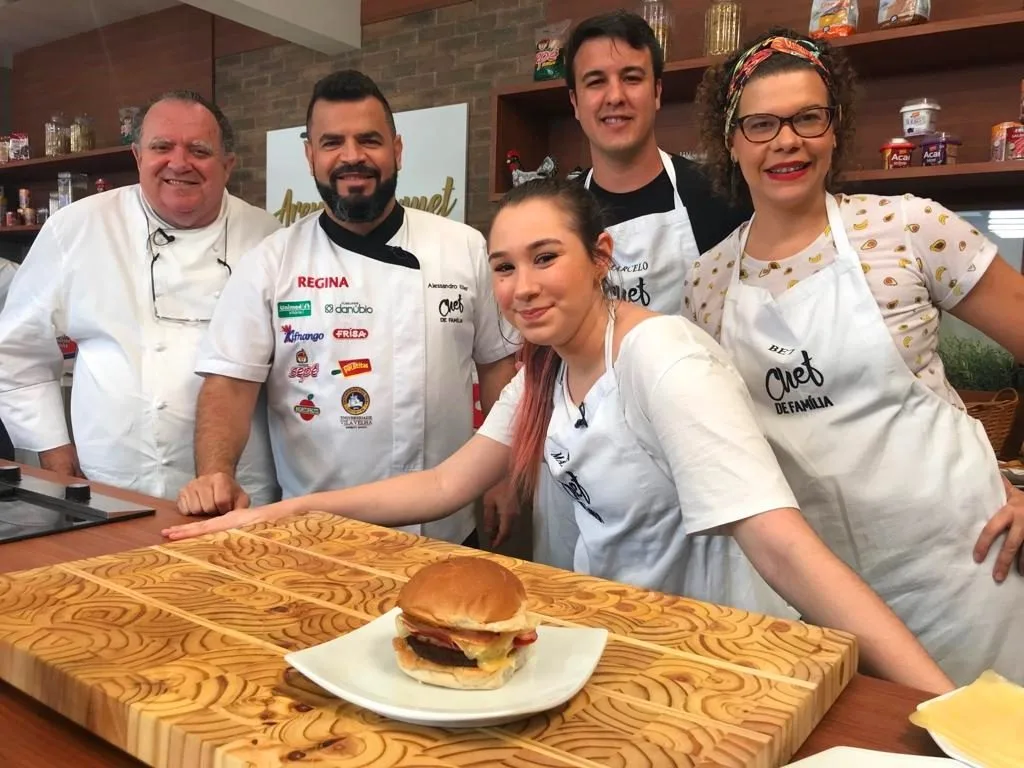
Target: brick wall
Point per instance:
(445, 56)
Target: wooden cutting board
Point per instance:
(174, 653)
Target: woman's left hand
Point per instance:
(1011, 520)
(234, 519)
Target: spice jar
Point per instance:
(940, 149)
(56, 136)
(897, 153)
(658, 14)
(722, 27)
(919, 117)
(82, 135)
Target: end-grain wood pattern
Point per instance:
(174, 653)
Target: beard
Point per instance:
(358, 209)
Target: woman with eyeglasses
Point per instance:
(830, 306)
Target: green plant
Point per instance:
(975, 363)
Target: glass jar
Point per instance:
(82, 134)
(722, 27)
(658, 14)
(63, 189)
(55, 197)
(56, 135)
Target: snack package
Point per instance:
(549, 59)
(833, 18)
(899, 13)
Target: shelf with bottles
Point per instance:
(107, 160)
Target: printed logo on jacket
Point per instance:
(302, 370)
(288, 309)
(294, 336)
(306, 408)
(348, 308)
(356, 402)
(451, 307)
(795, 389)
(348, 368)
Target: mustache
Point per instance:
(360, 168)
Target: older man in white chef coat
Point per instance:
(7, 270)
(132, 275)
(364, 321)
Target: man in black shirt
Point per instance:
(661, 211)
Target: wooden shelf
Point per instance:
(97, 161)
(21, 232)
(978, 184)
(998, 183)
(536, 118)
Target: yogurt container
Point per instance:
(940, 149)
(920, 117)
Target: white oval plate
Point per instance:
(360, 667)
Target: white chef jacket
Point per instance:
(88, 275)
(366, 345)
(7, 270)
(666, 450)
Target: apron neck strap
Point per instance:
(609, 335)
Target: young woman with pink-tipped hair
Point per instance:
(645, 423)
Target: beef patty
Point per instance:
(444, 656)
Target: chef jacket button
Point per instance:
(159, 347)
(216, 294)
(165, 462)
(160, 405)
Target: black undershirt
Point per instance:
(713, 219)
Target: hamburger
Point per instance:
(463, 624)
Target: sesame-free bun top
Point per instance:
(467, 593)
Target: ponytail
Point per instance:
(530, 427)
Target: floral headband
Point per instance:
(754, 56)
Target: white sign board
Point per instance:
(433, 175)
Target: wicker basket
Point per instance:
(996, 414)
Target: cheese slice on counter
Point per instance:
(984, 721)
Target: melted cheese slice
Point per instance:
(984, 721)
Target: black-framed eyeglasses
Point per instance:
(158, 238)
(809, 123)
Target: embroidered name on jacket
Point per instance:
(781, 383)
(310, 281)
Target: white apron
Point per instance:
(894, 479)
(626, 506)
(651, 255)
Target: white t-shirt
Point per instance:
(367, 347)
(690, 410)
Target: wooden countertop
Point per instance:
(870, 713)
